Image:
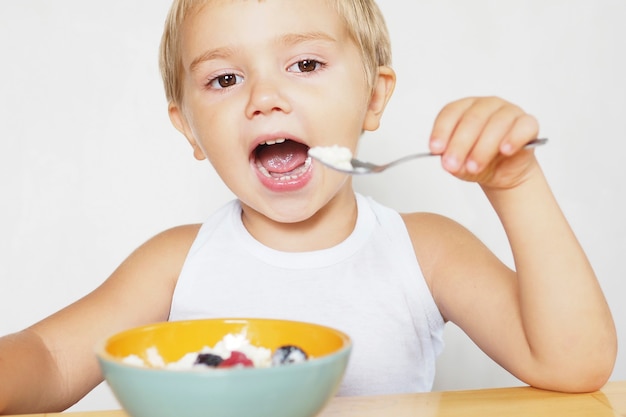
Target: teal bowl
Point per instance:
(293, 390)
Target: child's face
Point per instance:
(260, 72)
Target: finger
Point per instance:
(493, 135)
(524, 130)
(445, 124)
(469, 131)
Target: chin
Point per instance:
(283, 209)
(292, 214)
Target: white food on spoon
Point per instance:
(336, 156)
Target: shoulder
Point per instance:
(450, 257)
(423, 222)
(169, 246)
(160, 258)
(152, 271)
(430, 230)
(434, 234)
(179, 235)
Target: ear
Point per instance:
(179, 121)
(383, 88)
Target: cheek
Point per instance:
(218, 137)
(211, 128)
(350, 103)
(346, 116)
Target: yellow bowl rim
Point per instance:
(101, 352)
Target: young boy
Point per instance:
(253, 85)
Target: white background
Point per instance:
(90, 166)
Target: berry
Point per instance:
(208, 359)
(236, 359)
(288, 354)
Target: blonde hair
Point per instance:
(364, 22)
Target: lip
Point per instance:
(273, 184)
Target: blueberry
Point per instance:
(288, 354)
(208, 359)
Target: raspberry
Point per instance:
(236, 359)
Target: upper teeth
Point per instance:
(273, 142)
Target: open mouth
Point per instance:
(282, 159)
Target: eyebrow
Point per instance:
(285, 40)
(294, 38)
(211, 54)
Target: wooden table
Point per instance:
(521, 401)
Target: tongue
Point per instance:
(282, 158)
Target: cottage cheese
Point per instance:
(336, 156)
(261, 357)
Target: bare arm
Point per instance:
(552, 330)
(22, 384)
(566, 321)
(547, 322)
(51, 365)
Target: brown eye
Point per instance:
(307, 65)
(225, 81)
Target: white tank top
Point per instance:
(370, 286)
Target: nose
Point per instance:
(266, 96)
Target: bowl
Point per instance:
(292, 390)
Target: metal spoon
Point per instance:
(340, 159)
